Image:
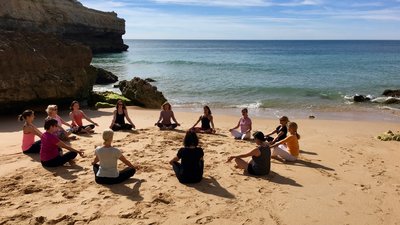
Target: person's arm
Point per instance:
(175, 159)
(114, 118)
(212, 123)
(35, 130)
(237, 126)
(129, 119)
(96, 160)
(173, 118)
(63, 145)
(273, 132)
(88, 119)
(159, 119)
(255, 152)
(197, 122)
(278, 136)
(280, 142)
(126, 162)
(65, 123)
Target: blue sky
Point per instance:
(256, 19)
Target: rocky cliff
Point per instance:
(69, 19)
(37, 69)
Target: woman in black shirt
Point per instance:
(190, 170)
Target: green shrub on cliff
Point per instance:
(389, 136)
(99, 105)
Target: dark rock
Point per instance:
(150, 80)
(38, 69)
(116, 86)
(391, 93)
(360, 98)
(142, 93)
(69, 19)
(102, 76)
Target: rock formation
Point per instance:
(142, 93)
(41, 69)
(102, 76)
(391, 93)
(69, 19)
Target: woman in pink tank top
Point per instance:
(76, 116)
(29, 131)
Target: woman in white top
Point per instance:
(107, 172)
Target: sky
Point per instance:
(256, 19)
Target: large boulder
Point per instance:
(142, 93)
(102, 76)
(391, 93)
(37, 69)
(69, 19)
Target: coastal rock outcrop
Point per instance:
(142, 93)
(33, 73)
(391, 93)
(102, 76)
(69, 19)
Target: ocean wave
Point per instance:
(198, 63)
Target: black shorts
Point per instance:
(250, 170)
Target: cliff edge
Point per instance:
(69, 19)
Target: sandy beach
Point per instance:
(344, 176)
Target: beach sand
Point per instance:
(344, 176)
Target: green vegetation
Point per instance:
(389, 136)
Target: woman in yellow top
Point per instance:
(288, 148)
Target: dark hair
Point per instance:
(245, 110)
(259, 135)
(25, 114)
(50, 123)
(208, 108)
(123, 104)
(72, 105)
(191, 139)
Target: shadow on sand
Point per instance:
(123, 189)
(275, 178)
(209, 185)
(65, 172)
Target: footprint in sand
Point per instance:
(31, 189)
(205, 220)
(162, 198)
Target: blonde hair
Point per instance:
(108, 135)
(50, 108)
(294, 126)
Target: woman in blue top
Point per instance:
(260, 163)
(190, 170)
(118, 122)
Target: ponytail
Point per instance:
(25, 114)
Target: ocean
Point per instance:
(267, 76)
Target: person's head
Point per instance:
(166, 106)
(207, 110)
(108, 135)
(28, 116)
(245, 112)
(190, 139)
(283, 120)
(51, 125)
(259, 137)
(292, 127)
(52, 110)
(74, 105)
(120, 104)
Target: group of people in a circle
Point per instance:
(188, 163)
